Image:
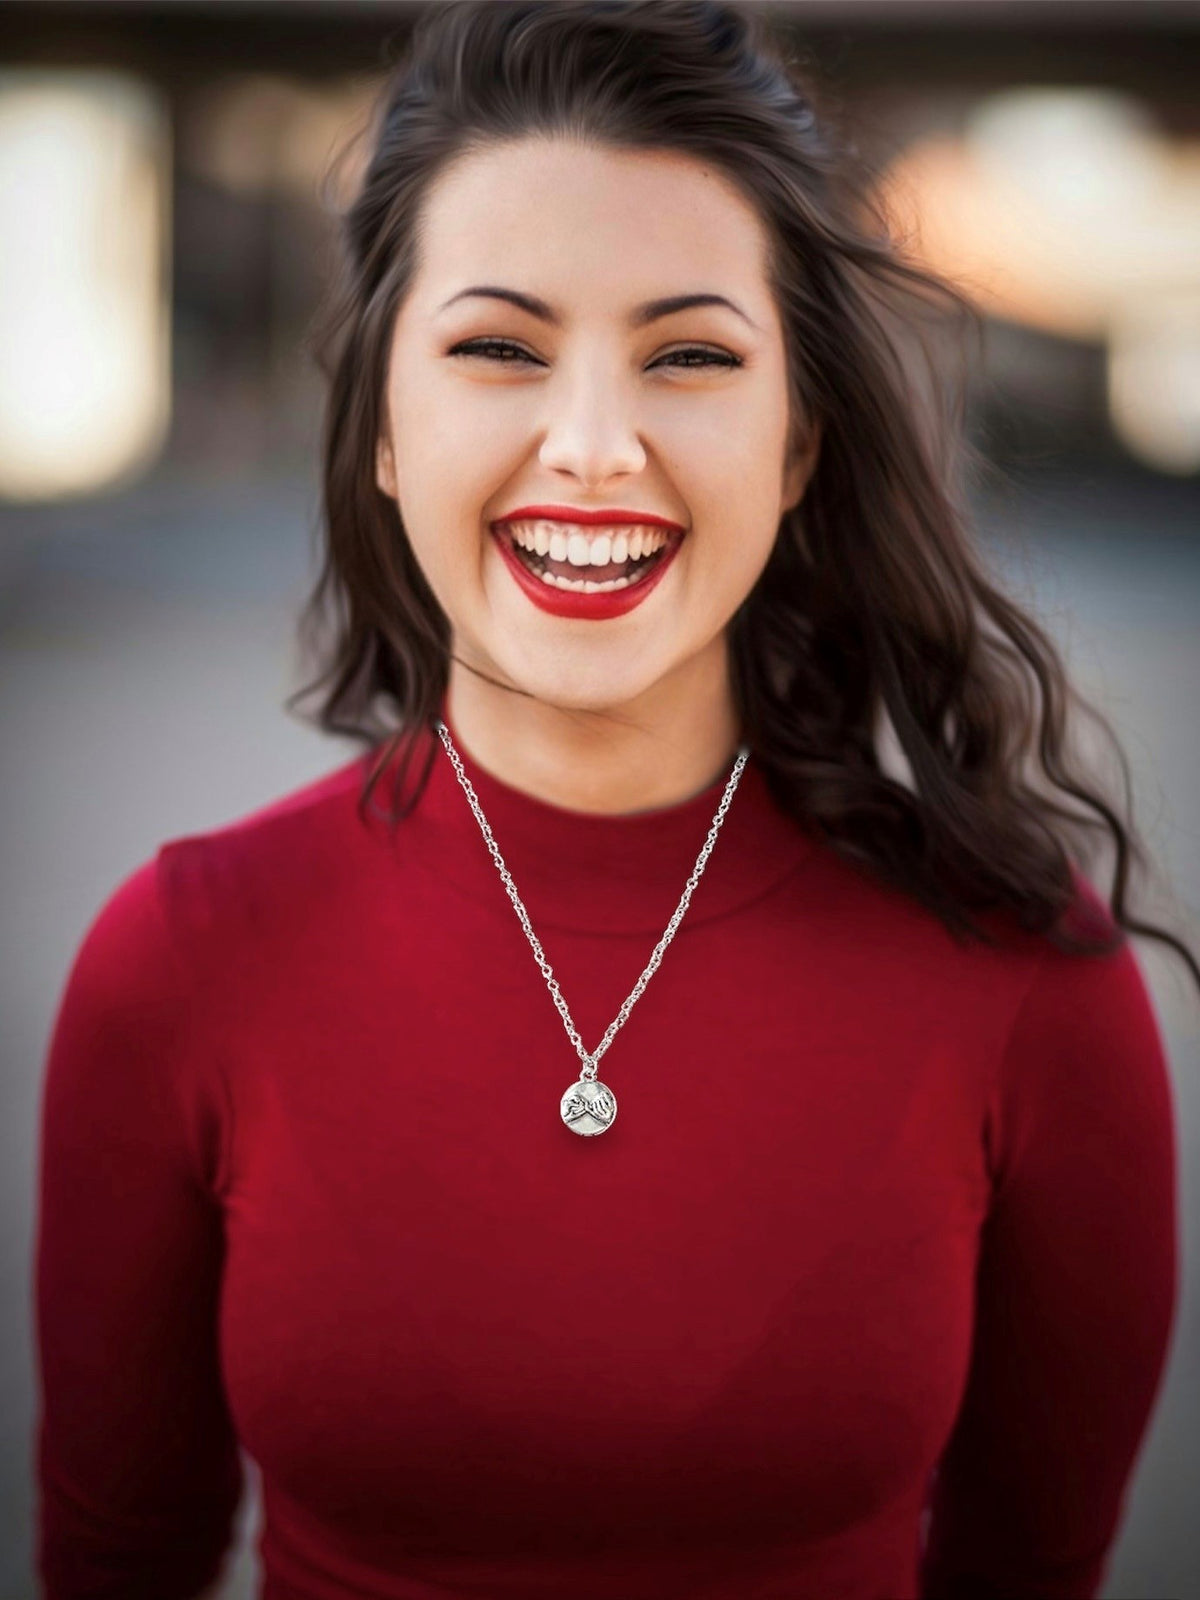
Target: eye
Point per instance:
(708, 358)
(500, 349)
(486, 348)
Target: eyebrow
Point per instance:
(639, 317)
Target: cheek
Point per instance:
(735, 565)
(453, 558)
(725, 565)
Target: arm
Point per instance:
(138, 1471)
(1076, 1292)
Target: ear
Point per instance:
(385, 468)
(801, 467)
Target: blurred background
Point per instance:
(164, 235)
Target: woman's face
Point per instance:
(684, 416)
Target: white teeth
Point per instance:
(578, 552)
(583, 585)
(584, 547)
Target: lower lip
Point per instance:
(575, 602)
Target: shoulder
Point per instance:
(1055, 1034)
(319, 803)
(1070, 1003)
(124, 968)
(280, 856)
(209, 886)
(1084, 1058)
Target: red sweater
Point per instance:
(873, 1201)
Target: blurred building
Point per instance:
(166, 170)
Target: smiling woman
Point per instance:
(638, 528)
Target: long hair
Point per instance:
(874, 615)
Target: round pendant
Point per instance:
(588, 1107)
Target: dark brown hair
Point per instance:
(874, 607)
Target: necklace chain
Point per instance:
(590, 1061)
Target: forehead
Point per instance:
(569, 219)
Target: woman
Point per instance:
(854, 1272)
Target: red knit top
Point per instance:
(865, 1294)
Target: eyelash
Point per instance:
(713, 358)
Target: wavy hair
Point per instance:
(874, 616)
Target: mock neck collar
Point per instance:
(597, 872)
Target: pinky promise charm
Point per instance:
(588, 1107)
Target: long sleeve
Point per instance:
(1076, 1293)
(138, 1469)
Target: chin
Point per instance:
(577, 686)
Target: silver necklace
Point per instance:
(589, 1107)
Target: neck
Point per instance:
(619, 758)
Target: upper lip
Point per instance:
(596, 515)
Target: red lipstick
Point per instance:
(587, 518)
(598, 605)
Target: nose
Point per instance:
(590, 433)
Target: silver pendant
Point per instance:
(588, 1107)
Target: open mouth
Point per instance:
(592, 577)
